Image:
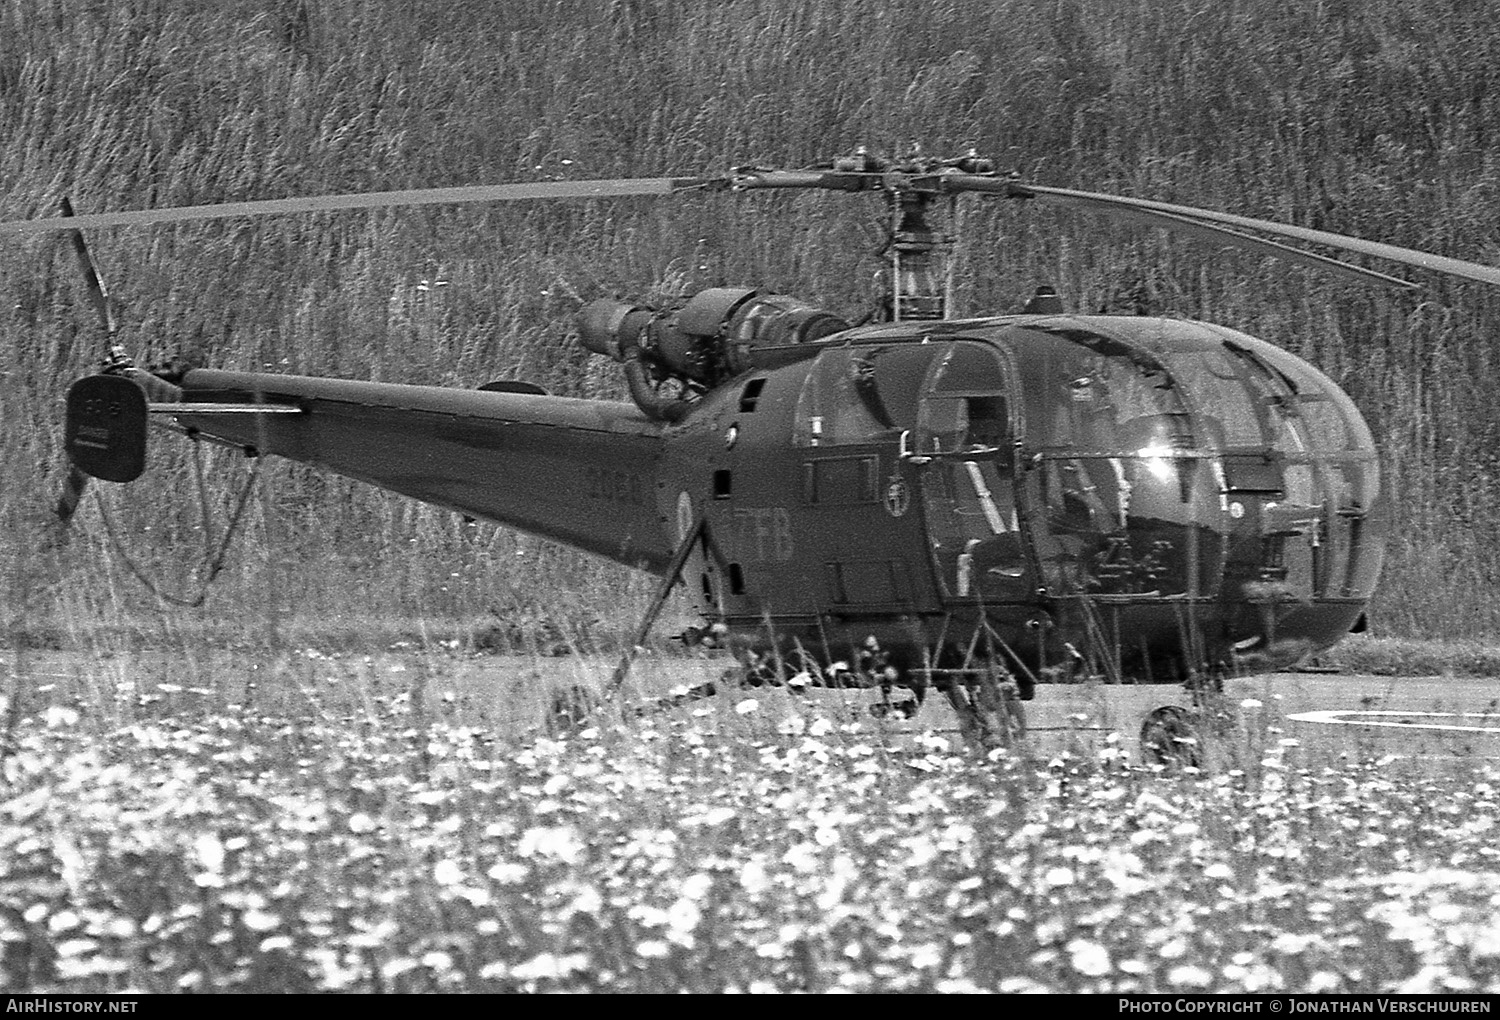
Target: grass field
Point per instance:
(314, 824)
(259, 814)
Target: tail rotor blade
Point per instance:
(98, 295)
(73, 488)
(77, 482)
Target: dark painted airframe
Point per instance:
(1180, 492)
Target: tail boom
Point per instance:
(579, 472)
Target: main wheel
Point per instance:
(1170, 736)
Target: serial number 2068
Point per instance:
(614, 486)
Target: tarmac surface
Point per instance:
(1366, 716)
(1402, 717)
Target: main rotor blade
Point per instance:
(1212, 232)
(1183, 219)
(370, 200)
(1171, 217)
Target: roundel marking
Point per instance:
(897, 497)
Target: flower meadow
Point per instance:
(764, 844)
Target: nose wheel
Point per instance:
(572, 708)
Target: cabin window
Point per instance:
(750, 396)
(964, 409)
(974, 527)
(965, 446)
(861, 395)
(723, 483)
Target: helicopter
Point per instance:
(912, 503)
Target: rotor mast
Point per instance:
(916, 272)
(918, 258)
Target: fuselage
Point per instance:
(1158, 497)
(1173, 495)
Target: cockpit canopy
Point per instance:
(1160, 457)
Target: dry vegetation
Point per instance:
(1373, 118)
(177, 837)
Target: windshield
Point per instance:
(1175, 458)
(1097, 395)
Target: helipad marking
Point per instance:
(1338, 718)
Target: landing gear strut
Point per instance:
(988, 704)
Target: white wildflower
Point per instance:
(753, 877)
(559, 841)
(683, 916)
(508, 873)
(1190, 975)
(210, 852)
(1058, 876)
(1089, 958)
(697, 886)
(550, 965)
